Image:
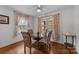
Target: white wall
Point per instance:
(76, 26)
(66, 21)
(31, 22)
(70, 20)
(35, 24)
(7, 30)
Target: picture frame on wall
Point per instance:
(4, 19)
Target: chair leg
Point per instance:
(30, 50)
(24, 50)
(49, 48)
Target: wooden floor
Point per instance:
(18, 48)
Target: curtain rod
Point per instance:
(49, 15)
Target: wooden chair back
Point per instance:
(48, 40)
(27, 40)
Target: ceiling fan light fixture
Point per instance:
(38, 10)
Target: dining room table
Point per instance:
(37, 37)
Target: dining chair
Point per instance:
(30, 32)
(47, 40)
(27, 40)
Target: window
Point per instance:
(22, 24)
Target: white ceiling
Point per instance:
(31, 9)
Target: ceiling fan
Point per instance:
(39, 8)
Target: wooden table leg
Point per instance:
(66, 41)
(30, 50)
(38, 44)
(72, 41)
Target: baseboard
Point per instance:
(12, 44)
(58, 42)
